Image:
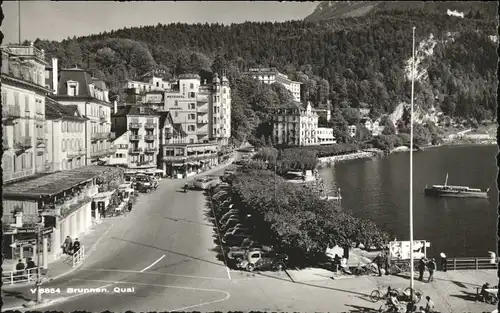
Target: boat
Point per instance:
(455, 191)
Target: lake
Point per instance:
(379, 189)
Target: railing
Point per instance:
(11, 111)
(135, 150)
(149, 137)
(79, 256)
(168, 135)
(149, 125)
(472, 263)
(102, 119)
(6, 144)
(202, 110)
(150, 150)
(202, 132)
(16, 277)
(202, 120)
(134, 125)
(76, 153)
(104, 152)
(71, 205)
(135, 137)
(97, 136)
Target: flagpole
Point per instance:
(19, 19)
(411, 168)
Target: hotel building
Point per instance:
(76, 87)
(271, 75)
(23, 111)
(137, 137)
(65, 136)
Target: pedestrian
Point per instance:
(421, 269)
(336, 263)
(429, 307)
(379, 261)
(387, 262)
(444, 264)
(67, 245)
(76, 246)
(20, 269)
(130, 206)
(431, 266)
(30, 264)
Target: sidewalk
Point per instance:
(452, 291)
(63, 265)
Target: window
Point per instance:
(192, 95)
(191, 116)
(176, 103)
(4, 97)
(157, 84)
(27, 128)
(16, 99)
(192, 106)
(191, 128)
(191, 86)
(26, 103)
(176, 114)
(191, 140)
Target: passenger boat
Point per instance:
(455, 191)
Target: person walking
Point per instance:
(379, 261)
(431, 266)
(444, 264)
(130, 206)
(421, 269)
(76, 246)
(67, 245)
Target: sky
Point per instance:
(59, 20)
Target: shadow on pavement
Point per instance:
(15, 294)
(358, 308)
(467, 296)
(185, 220)
(458, 283)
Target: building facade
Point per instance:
(295, 124)
(76, 87)
(138, 129)
(271, 75)
(65, 135)
(149, 82)
(325, 136)
(220, 110)
(23, 111)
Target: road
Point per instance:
(164, 250)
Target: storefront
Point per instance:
(184, 160)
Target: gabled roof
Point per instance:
(179, 129)
(135, 110)
(55, 110)
(164, 117)
(75, 74)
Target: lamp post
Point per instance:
(38, 252)
(411, 167)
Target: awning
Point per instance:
(178, 164)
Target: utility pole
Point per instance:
(411, 167)
(19, 18)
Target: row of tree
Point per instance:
(295, 220)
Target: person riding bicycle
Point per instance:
(392, 301)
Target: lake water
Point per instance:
(379, 189)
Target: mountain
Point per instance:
(327, 10)
(359, 62)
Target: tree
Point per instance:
(219, 65)
(351, 115)
(340, 126)
(389, 128)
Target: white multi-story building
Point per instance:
(271, 75)
(149, 82)
(76, 87)
(65, 135)
(325, 136)
(295, 124)
(220, 110)
(23, 111)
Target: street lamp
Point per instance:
(411, 167)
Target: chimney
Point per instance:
(55, 76)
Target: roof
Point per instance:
(165, 116)
(134, 110)
(292, 105)
(55, 110)
(75, 74)
(54, 183)
(99, 83)
(179, 129)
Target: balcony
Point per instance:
(202, 132)
(112, 136)
(135, 137)
(202, 110)
(23, 143)
(150, 125)
(10, 112)
(202, 120)
(135, 151)
(151, 150)
(99, 136)
(102, 119)
(6, 144)
(41, 142)
(134, 125)
(76, 153)
(149, 138)
(168, 135)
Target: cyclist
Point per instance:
(392, 301)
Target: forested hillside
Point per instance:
(353, 61)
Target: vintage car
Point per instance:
(206, 182)
(145, 183)
(260, 260)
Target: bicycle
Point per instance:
(379, 294)
(365, 269)
(403, 267)
(404, 295)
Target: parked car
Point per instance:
(220, 187)
(205, 182)
(259, 260)
(234, 239)
(237, 228)
(219, 194)
(228, 214)
(144, 183)
(231, 222)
